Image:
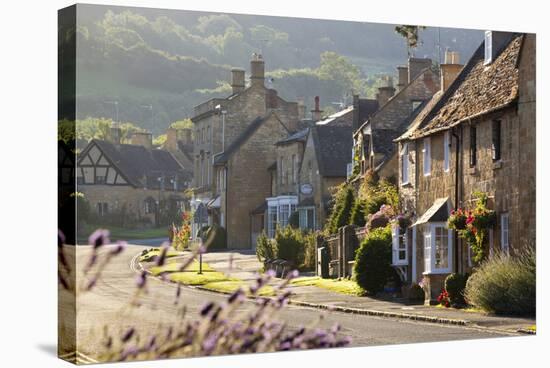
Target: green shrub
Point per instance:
(343, 200)
(504, 284)
(416, 292)
(290, 245)
(455, 284)
(344, 214)
(358, 213)
(294, 220)
(215, 237)
(309, 251)
(372, 267)
(265, 248)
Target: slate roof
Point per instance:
(367, 108)
(426, 107)
(477, 90)
(139, 165)
(299, 136)
(240, 140)
(333, 145)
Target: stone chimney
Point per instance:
(237, 80)
(385, 92)
(171, 143)
(115, 135)
(316, 112)
(355, 114)
(402, 77)
(417, 66)
(450, 69)
(301, 109)
(144, 139)
(257, 70)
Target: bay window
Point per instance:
(437, 248)
(279, 210)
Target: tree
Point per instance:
(337, 68)
(411, 35)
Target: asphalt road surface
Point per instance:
(107, 305)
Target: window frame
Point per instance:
(488, 48)
(447, 151)
(399, 244)
(473, 146)
(496, 139)
(404, 153)
(427, 157)
(430, 249)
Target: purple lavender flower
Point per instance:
(236, 295)
(99, 237)
(91, 283)
(120, 246)
(141, 280)
(130, 351)
(161, 259)
(292, 274)
(209, 343)
(91, 262)
(128, 334)
(206, 308)
(60, 238)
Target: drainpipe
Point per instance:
(457, 162)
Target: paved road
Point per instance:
(107, 305)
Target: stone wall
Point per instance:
(249, 181)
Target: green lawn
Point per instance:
(191, 276)
(174, 267)
(151, 253)
(231, 286)
(340, 286)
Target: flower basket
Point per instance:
(457, 220)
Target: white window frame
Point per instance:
(430, 251)
(505, 233)
(405, 164)
(279, 205)
(399, 244)
(446, 151)
(427, 153)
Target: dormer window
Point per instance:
(488, 47)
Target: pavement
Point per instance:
(107, 306)
(246, 265)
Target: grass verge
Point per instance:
(231, 286)
(348, 287)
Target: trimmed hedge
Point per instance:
(372, 267)
(455, 284)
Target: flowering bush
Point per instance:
(473, 226)
(219, 328)
(180, 236)
(443, 299)
(403, 221)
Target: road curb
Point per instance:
(367, 312)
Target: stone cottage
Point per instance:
(373, 140)
(133, 183)
(476, 134)
(233, 146)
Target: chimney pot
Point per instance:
(144, 139)
(450, 69)
(417, 66)
(403, 77)
(316, 113)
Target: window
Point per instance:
(294, 169)
(271, 221)
(208, 133)
(281, 171)
(102, 208)
(446, 149)
(399, 246)
(488, 47)
(307, 218)
(505, 233)
(284, 214)
(496, 137)
(415, 105)
(405, 163)
(437, 248)
(473, 146)
(427, 157)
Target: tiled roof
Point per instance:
(425, 109)
(333, 145)
(478, 89)
(138, 164)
